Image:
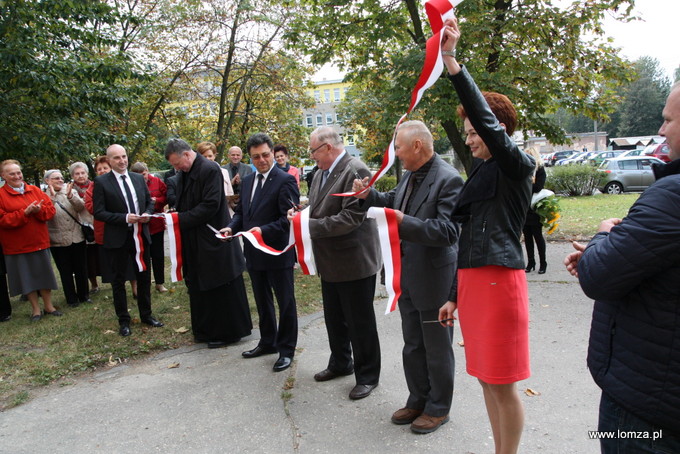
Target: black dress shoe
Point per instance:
(152, 322)
(328, 374)
(5, 318)
(282, 363)
(361, 391)
(543, 268)
(124, 330)
(258, 351)
(217, 344)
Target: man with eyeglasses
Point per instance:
(346, 252)
(266, 196)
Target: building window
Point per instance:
(309, 121)
(319, 119)
(327, 95)
(329, 118)
(317, 96)
(336, 94)
(338, 118)
(350, 139)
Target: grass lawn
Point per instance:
(86, 338)
(581, 216)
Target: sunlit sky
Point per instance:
(655, 35)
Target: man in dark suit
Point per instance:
(266, 197)
(424, 201)
(212, 269)
(347, 256)
(121, 199)
(237, 169)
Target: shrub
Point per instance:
(573, 180)
(386, 183)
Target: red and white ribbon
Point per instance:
(438, 11)
(139, 246)
(388, 232)
(299, 238)
(299, 234)
(175, 245)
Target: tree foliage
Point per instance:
(542, 56)
(63, 80)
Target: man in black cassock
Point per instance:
(212, 269)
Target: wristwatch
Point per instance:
(450, 53)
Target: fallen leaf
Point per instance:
(112, 362)
(108, 331)
(531, 393)
(173, 366)
(182, 330)
(176, 308)
(545, 305)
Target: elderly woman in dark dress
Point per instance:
(24, 212)
(492, 297)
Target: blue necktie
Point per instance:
(258, 190)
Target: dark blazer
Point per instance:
(110, 207)
(270, 215)
(346, 244)
(208, 261)
(243, 170)
(429, 237)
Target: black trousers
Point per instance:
(158, 257)
(350, 323)
(283, 338)
(534, 233)
(5, 304)
(71, 262)
(119, 263)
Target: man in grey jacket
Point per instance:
(346, 252)
(424, 201)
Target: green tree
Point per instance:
(535, 53)
(64, 82)
(643, 100)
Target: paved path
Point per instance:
(217, 402)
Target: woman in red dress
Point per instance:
(492, 297)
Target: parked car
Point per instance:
(635, 152)
(632, 173)
(659, 151)
(559, 155)
(573, 159)
(600, 156)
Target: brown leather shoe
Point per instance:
(328, 374)
(405, 415)
(425, 424)
(361, 391)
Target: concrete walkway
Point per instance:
(214, 401)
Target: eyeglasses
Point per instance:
(257, 157)
(311, 152)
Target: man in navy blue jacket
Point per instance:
(266, 197)
(631, 268)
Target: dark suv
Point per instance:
(559, 155)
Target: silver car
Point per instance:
(632, 173)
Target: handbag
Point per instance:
(88, 231)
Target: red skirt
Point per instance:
(493, 310)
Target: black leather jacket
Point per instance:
(497, 194)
